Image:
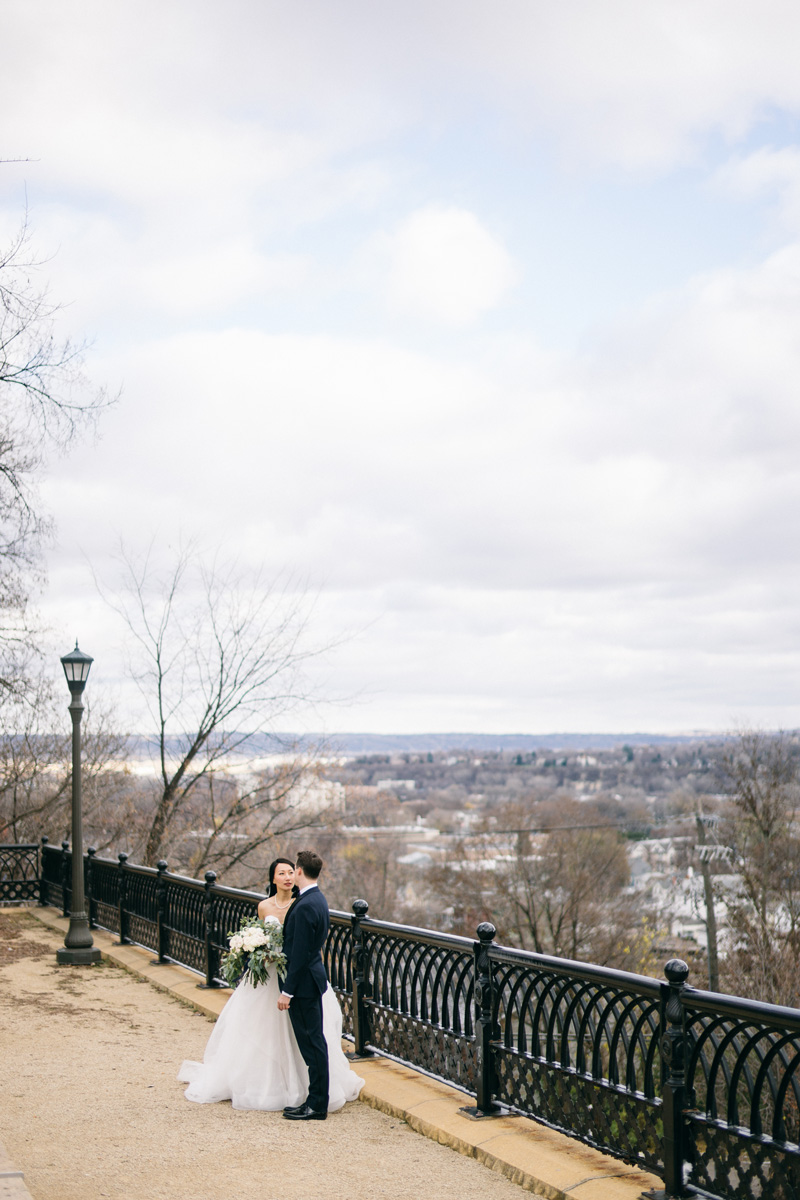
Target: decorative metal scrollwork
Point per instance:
(19, 873)
(743, 1077)
(421, 1001)
(580, 1054)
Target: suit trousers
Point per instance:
(305, 1013)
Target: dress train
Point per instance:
(252, 1058)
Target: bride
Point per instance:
(252, 1058)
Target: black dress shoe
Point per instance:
(306, 1113)
(296, 1109)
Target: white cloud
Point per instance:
(218, 277)
(635, 85)
(604, 658)
(205, 95)
(444, 265)
(668, 457)
(769, 171)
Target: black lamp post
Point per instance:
(78, 948)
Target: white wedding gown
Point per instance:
(252, 1058)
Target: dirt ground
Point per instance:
(90, 1106)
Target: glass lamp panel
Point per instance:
(76, 666)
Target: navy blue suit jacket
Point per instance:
(305, 932)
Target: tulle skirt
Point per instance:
(252, 1058)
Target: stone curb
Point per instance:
(531, 1155)
(12, 1181)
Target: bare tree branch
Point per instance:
(45, 400)
(760, 775)
(217, 657)
(36, 767)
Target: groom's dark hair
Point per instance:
(311, 863)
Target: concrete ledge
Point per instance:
(12, 1181)
(531, 1155)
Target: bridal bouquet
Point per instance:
(256, 947)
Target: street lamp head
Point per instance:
(76, 668)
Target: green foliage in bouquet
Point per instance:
(256, 947)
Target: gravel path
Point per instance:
(91, 1107)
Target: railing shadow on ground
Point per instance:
(698, 1087)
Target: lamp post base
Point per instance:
(78, 949)
(82, 956)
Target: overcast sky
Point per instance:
(483, 320)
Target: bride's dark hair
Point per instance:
(272, 887)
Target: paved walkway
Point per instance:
(97, 1112)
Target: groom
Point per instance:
(304, 934)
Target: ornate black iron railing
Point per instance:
(182, 920)
(417, 998)
(702, 1089)
(19, 873)
(743, 1095)
(578, 1045)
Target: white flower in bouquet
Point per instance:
(253, 937)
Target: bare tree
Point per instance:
(218, 659)
(36, 768)
(366, 867)
(564, 891)
(233, 822)
(45, 398)
(461, 892)
(567, 895)
(761, 774)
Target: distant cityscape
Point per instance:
(415, 743)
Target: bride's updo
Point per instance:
(271, 886)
